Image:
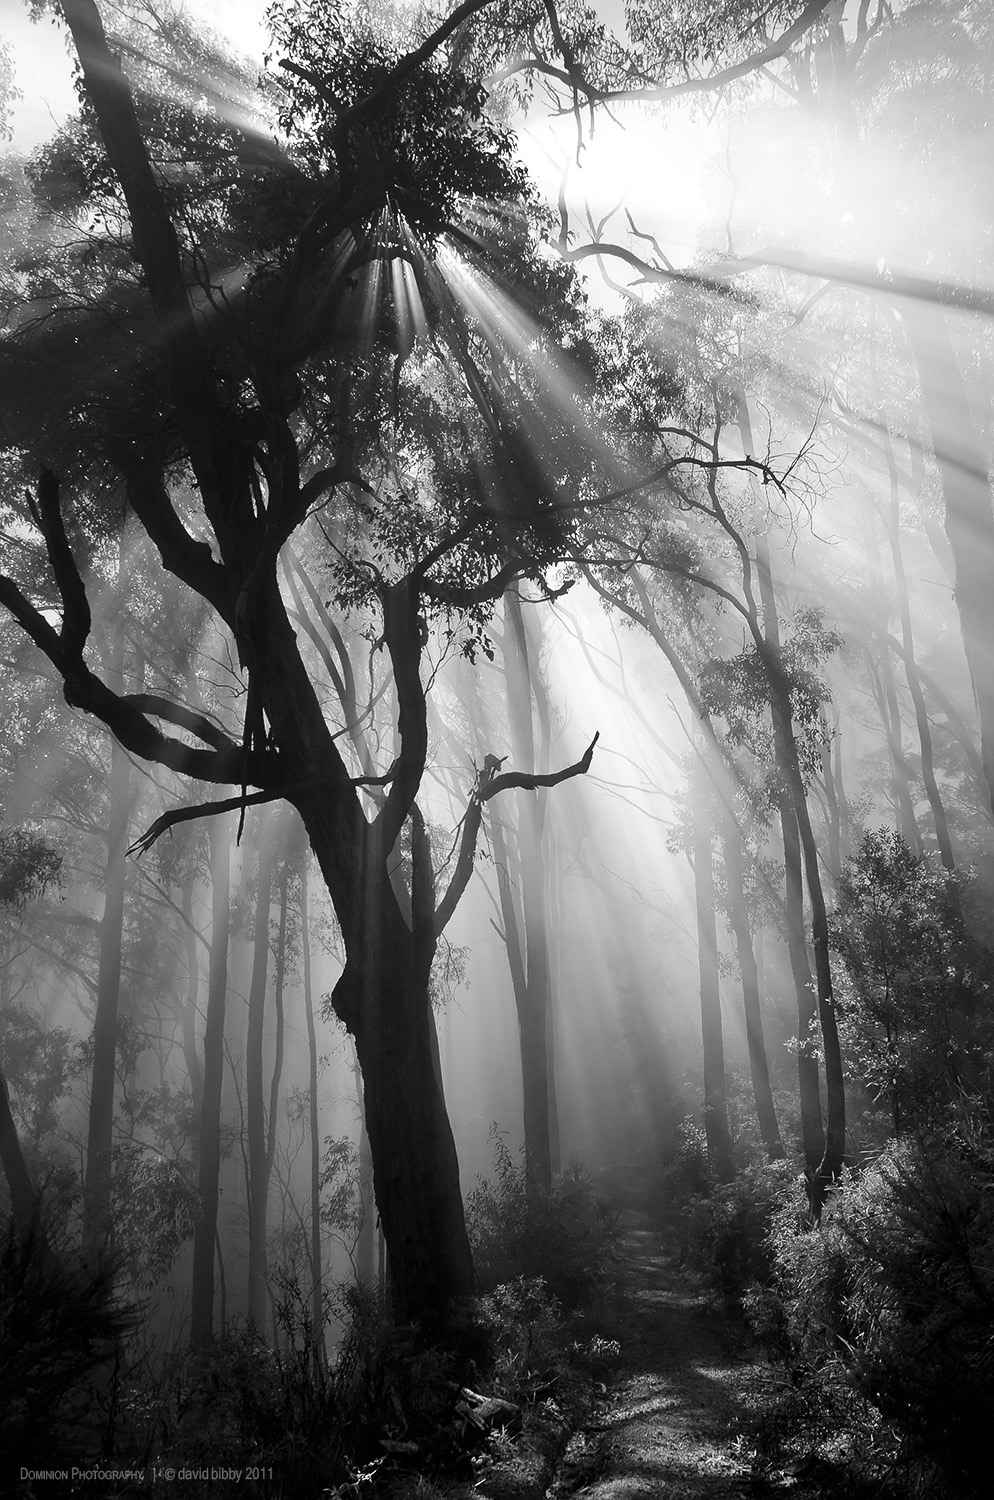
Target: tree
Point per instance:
(27, 866)
(246, 401)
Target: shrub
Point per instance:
(60, 1331)
(562, 1234)
(915, 999)
(527, 1338)
(313, 1420)
(886, 1315)
(727, 1231)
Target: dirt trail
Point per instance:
(685, 1384)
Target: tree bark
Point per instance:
(533, 998)
(385, 1005)
(255, 1105)
(206, 1231)
(317, 1285)
(98, 1180)
(23, 1198)
(893, 529)
(885, 691)
(789, 764)
(716, 1131)
(366, 1270)
(962, 465)
(759, 1066)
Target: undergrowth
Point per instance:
(562, 1234)
(386, 1411)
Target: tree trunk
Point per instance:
(808, 1085)
(279, 1037)
(385, 1005)
(255, 1107)
(23, 1198)
(890, 714)
(893, 528)
(717, 1135)
(962, 465)
(885, 691)
(98, 1185)
(759, 1067)
(317, 1299)
(834, 807)
(533, 1000)
(366, 1252)
(206, 1231)
(789, 763)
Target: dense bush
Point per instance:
(61, 1326)
(914, 999)
(563, 1235)
(727, 1229)
(314, 1421)
(886, 1315)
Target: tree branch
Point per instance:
(489, 784)
(84, 690)
(286, 793)
(531, 781)
(402, 637)
(76, 618)
(184, 718)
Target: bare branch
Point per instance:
(530, 782)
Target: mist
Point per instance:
(497, 840)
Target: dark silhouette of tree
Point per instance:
(229, 405)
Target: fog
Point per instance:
(441, 715)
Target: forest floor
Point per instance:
(685, 1387)
(687, 1383)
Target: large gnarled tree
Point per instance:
(259, 391)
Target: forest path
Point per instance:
(685, 1387)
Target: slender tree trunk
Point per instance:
(808, 1085)
(891, 714)
(834, 807)
(910, 667)
(279, 1037)
(885, 696)
(255, 1107)
(717, 1135)
(533, 1014)
(317, 1298)
(188, 1025)
(835, 1099)
(23, 1198)
(885, 691)
(962, 465)
(98, 1184)
(759, 1067)
(206, 1231)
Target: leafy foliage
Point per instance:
(155, 1211)
(58, 1326)
(28, 866)
(886, 1315)
(428, 139)
(563, 1236)
(40, 1063)
(920, 966)
(738, 689)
